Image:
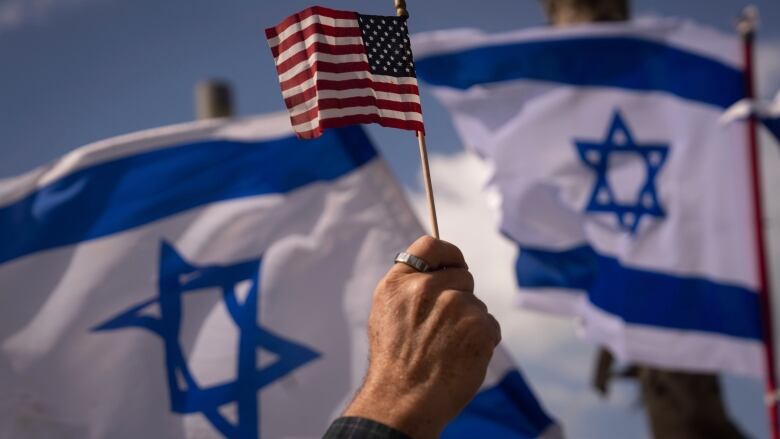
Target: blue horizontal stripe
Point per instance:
(644, 297)
(619, 62)
(506, 410)
(129, 192)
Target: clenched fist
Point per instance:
(430, 341)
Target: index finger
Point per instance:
(437, 253)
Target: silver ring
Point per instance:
(413, 261)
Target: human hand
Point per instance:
(430, 344)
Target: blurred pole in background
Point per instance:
(746, 26)
(567, 12)
(213, 99)
(679, 405)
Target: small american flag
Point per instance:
(340, 68)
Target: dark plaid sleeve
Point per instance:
(360, 428)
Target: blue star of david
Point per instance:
(178, 278)
(596, 155)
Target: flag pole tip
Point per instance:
(400, 9)
(748, 20)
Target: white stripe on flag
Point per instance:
(303, 24)
(352, 93)
(317, 38)
(663, 347)
(323, 57)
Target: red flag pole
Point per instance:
(401, 11)
(747, 28)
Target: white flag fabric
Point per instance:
(629, 202)
(767, 112)
(205, 280)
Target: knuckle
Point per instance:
(497, 326)
(465, 279)
(450, 300)
(424, 246)
(392, 288)
(427, 241)
(421, 284)
(472, 323)
(455, 253)
(470, 278)
(477, 333)
(480, 304)
(386, 285)
(458, 252)
(420, 306)
(482, 326)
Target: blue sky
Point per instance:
(76, 71)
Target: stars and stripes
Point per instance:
(339, 68)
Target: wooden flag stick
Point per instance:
(428, 186)
(401, 11)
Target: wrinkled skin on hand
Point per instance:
(430, 339)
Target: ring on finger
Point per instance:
(413, 261)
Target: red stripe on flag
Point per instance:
(314, 29)
(361, 101)
(389, 87)
(350, 84)
(412, 125)
(374, 118)
(318, 47)
(273, 32)
(311, 134)
(322, 66)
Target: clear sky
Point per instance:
(76, 71)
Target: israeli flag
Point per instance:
(205, 280)
(629, 202)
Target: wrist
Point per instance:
(403, 412)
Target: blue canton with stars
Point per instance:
(387, 44)
(596, 155)
(178, 278)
